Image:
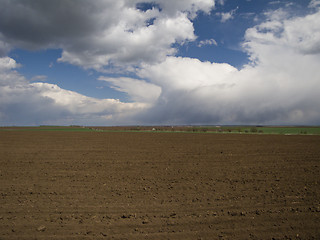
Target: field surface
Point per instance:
(145, 185)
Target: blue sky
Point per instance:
(159, 62)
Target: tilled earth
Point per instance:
(100, 185)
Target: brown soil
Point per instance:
(99, 185)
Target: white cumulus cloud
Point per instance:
(137, 90)
(7, 63)
(207, 42)
(279, 86)
(25, 103)
(100, 33)
(226, 16)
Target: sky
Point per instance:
(159, 62)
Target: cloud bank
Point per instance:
(280, 85)
(25, 103)
(95, 34)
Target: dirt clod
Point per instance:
(41, 228)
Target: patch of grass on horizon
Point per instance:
(187, 129)
(49, 128)
(291, 130)
(272, 130)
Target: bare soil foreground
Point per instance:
(104, 185)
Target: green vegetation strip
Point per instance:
(222, 130)
(185, 129)
(49, 128)
(275, 130)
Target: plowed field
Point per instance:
(100, 185)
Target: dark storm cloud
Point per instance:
(38, 24)
(26, 110)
